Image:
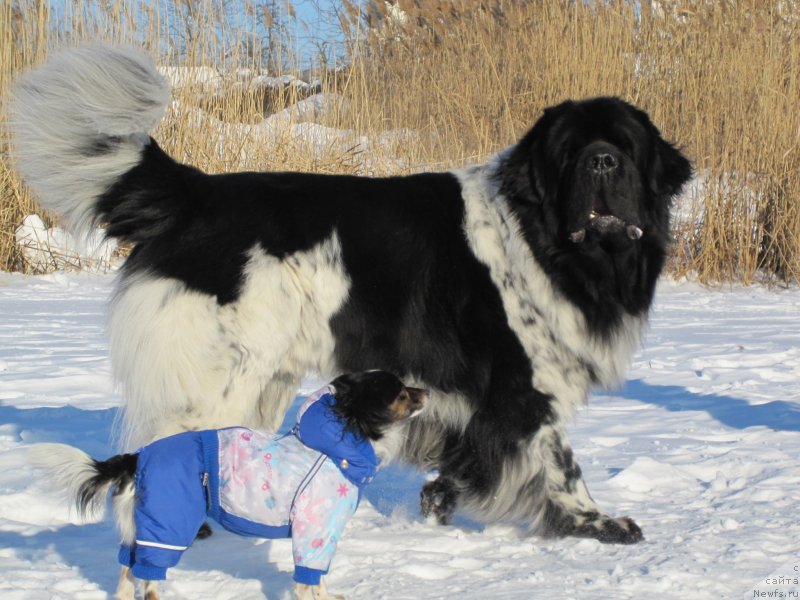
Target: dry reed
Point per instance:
(463, 80)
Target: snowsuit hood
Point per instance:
(319, 427)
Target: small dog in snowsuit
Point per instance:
(305, 484)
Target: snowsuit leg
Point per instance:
(170, 504)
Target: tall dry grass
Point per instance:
(463, 80)
(213, 121)
(722, 79)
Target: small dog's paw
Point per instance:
(204, 532)
(438, 498)
(303, 591)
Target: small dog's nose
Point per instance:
(602, 162)
(418, 397)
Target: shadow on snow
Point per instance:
(395, 489)
(733, 412)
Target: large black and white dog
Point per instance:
(510, 289)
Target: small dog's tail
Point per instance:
(88, 481)
(79, 123)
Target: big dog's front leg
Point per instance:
(479, 468)
(513, 463)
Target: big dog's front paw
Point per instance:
(439, 498)
(622, 530)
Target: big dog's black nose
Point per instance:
(601, 163)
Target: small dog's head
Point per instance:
(370, 402)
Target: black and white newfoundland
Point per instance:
(510, 289)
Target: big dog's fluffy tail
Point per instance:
(80, 122)
(87, 481)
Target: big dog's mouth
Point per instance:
(605, 224)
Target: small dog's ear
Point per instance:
(343, 386)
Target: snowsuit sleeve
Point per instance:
(319, 516)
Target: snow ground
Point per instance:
(700, 446)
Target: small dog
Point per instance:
(305, 484)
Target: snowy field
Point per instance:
(700, 446)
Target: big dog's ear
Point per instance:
(525, 174)
(669, 169)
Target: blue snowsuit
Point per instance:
(305, 485)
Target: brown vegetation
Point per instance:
(722, 79)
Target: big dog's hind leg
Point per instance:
(274, 400)
(186, 362)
